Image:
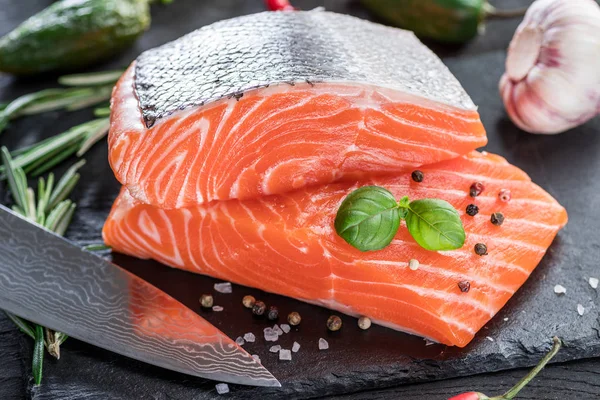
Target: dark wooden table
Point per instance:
(574, 380)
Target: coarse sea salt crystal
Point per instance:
(594, 283)
(505, 319)
(285, 355)
(491, 339)
(429, 342)
(286, 328)
(560, 289)
(224, 287)
(256, 357)
(217, 308)
(222, 388)
(249, 337)
(295, 347)
(275, 349)
(277, 329)
(240, 341)
(580, 309)
(323, 345)
(270, 335)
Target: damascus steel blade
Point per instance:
(49, 281)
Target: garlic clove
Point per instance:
(552, 79)
(524, 52)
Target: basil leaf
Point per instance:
(435, 225)
(368, 218)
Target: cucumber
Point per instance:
(71, 34)
(452, 21)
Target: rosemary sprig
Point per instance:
(84, 90)
(42, 156)
(54, 211)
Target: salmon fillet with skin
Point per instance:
(287, 244)
(273, 102)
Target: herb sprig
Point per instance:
(52, 209)
(81, 91)
(369, 218)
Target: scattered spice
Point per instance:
(259, 308)
(295, 347)
(323, 344)
(248, 301)
(481, 249)
(277, 329)
(217, 308)
(270, 335)
(464, 286)
(285, 328)
(257, 358)
(580, 309)
(222, 388)
(294, 318)
(560, 289)
(364, 323)
(249, 337)
(497, 218)
(504, 195)
(224, 287)
(279, 5)
(594, 283)
(476, 189)
(413, 264)
(417, 176)
(240, 341)
(285, 355)
(275, 349)
(273, 313)
(491, 339)
(334, 323)
(472, 210)
(206, 300)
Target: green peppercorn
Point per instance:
(294, 318)
(273, 313)
(259, 308)
(481, 249)
(334, 323)
(417, 176)
(206, 300)
(248, 301)
(472, 210)
(497, 218)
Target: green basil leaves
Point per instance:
(369, 218)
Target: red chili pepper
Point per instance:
(512, 392)
(279, 5)
(470, 396)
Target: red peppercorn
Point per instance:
(464, 286)
(476, 189)
(470, 396)
(504, 195)
(279, 5)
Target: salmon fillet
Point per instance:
(272, 102)
(287, 244)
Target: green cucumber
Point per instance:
(450, 21)
(72, 34)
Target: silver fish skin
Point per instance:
(231, 57)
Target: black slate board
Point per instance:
(565, 165)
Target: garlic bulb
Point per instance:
(552, 78)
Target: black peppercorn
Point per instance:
(259, 308)
(476, 189)
(464, 286)
(472, 210)
(481, 249)
(497, 218)
(334, 323)
(273, 313)
(417, 176)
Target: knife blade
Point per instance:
(49, 281)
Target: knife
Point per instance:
(49, 281)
